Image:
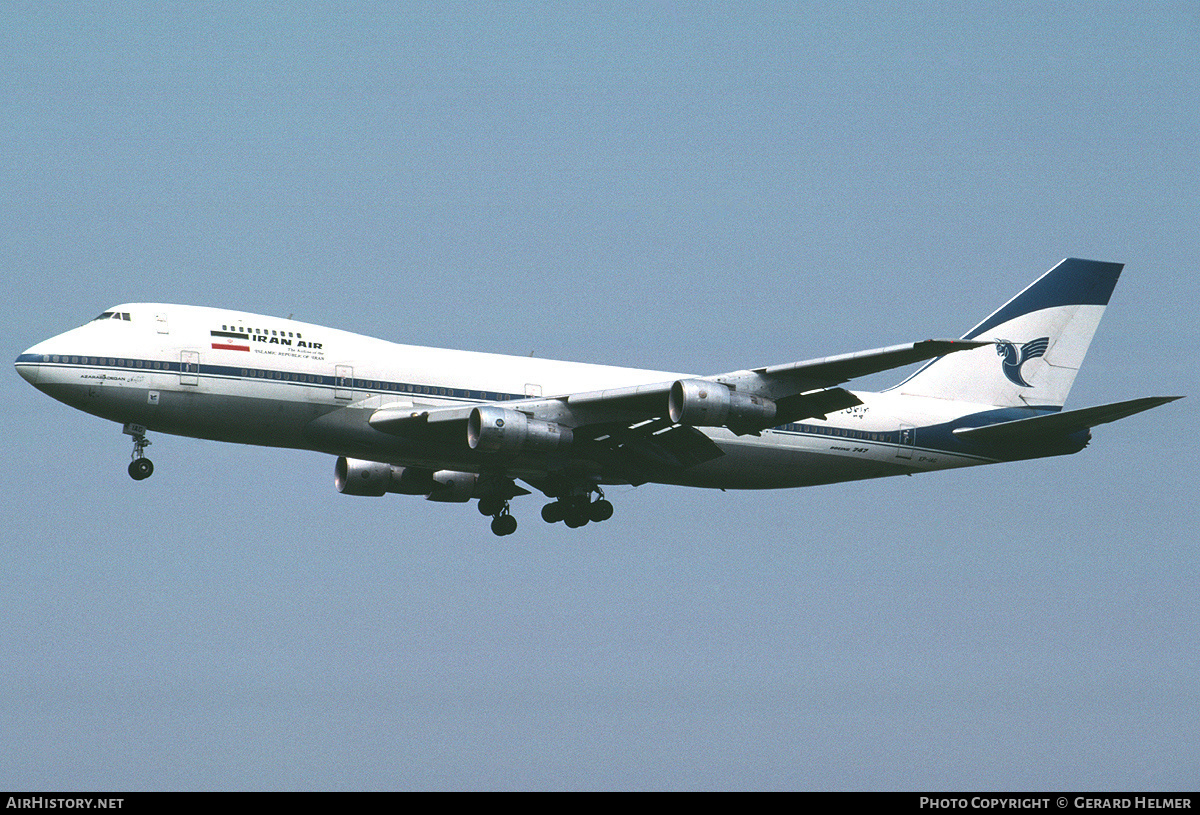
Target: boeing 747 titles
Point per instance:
(459, 426)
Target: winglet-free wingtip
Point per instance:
(1156, 401)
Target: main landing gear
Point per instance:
(140, 468)
(503, 523)
(577, 510)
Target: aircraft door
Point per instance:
(189, 367)
(343, 381)
(908, 439)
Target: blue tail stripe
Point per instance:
(1074, 282)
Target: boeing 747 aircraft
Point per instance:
(456, 425)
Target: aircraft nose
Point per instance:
(28, 365)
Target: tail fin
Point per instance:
(1041, 337)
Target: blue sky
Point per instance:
(680, 187)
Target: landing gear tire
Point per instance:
(577, 511)
(600, 511)
(576, 517)
(552, 512)
(140, 469)
(504, 525)
(491, 505)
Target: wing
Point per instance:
(644, 427)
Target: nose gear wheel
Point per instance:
(140, 467)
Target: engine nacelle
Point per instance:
(451, 486)
(493, 429)
(710, 404)
(352, 476)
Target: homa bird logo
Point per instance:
(1014, 359)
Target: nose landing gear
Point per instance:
(140, 468)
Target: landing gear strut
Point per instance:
(140, 468)
(577, 510)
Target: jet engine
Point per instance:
(352, 476)
(699, 403)
(493, 429)
(451, 486)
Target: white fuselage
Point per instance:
(232, 376)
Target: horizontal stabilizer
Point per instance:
(1059, 424)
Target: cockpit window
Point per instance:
(114, 315)
(105, 316)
